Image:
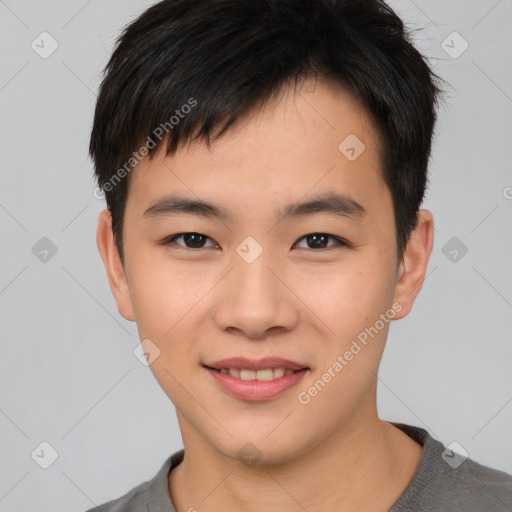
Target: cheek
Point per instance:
(163, 295)
(350, 296)
(350, 303)
(170, 305)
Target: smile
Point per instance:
(255, 385)
(261, 375)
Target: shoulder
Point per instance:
(476, 486)
(447, 479)
(136, 500)
(147, 496)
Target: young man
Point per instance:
(264, 163)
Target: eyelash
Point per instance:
(340, 241)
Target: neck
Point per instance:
(365, 465)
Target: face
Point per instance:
(256, 273)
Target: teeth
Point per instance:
(267, 374)
(247, 374)
(264, 374)
(234, 372)
(278, 372)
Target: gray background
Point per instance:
(68, 375)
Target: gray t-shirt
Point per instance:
(444, 482)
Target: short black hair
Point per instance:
(183, 67)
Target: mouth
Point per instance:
(268, 368)
(260, 375)
(253, 380)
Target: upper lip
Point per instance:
(256, 364)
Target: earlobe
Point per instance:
(112, 262)
(414, 263)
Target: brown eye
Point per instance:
(320, 241)
(190, 240)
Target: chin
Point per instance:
(259, 449)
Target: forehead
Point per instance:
(312, 140)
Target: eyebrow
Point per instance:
(334, 204)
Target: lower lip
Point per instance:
(256, 390)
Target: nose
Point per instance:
(255, 301)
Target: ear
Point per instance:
(112, 261)
(413, 267)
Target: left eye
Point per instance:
(313, 240)
(319, 241)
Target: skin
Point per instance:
(294, 301)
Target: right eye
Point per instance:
(191, 240)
